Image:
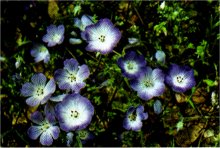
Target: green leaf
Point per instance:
(209, 82)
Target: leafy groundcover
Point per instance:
(110, 73)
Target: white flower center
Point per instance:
(40, 91)
(71, 77)
(56, 37)
(102, 38)
(45, 126)
(180, 79)
(74, 114)
(132, 117)
(148, 83)
(131, 67)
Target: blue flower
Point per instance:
(149, 84)
(132, 64)
(160, 56)
(180, 78)
(45, 128)
(134, 117)
(40, 53)
(71, 77)
(74, 112)
(102, 37)
(38, 91)
(55, 35)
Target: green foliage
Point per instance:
(187, 35)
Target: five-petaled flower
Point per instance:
(149, 84)
(74, 112)
(71, 77)
(180, 78)
(55, 35)
(134, 117)
(40, 53)
(37, 90)
(102, 36)
(45, 127)
(132, 64)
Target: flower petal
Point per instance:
(37, 117)
(50, 87)
(46, 138)
(38, 79)
(54, 131)
(34, 132)
(58, 98)
(33, 101)
(27, 89)
(71, 65)
(83, 72)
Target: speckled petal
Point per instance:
(76, 87)
(39, 79)
(27, 89)
(46, 138)
(34, 132)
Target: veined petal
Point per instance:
(83, 72)
(38, 79)
(46, 138)
(54, 131)
(37, 117)
(33, 101)
(50, 87)
(27, 89)
(34, 132)
(71, 65)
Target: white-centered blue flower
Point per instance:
(40, 53)
(74, 112)
(72, 76)
(180, 78)
(45, 128)
(37, 90)
(149, 84)
(54, 36)
(134, 117)
(102, 37)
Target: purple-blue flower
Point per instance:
(40, 53)
(72, 76)
(37, 90)
(149, 84)
(131, 64)
(74, 112)
(102, 37)
(157, 107)
(180, 78)
(54, 36)
(45, 128)
(134, 117)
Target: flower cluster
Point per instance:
(150, 82)
(73, 111)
